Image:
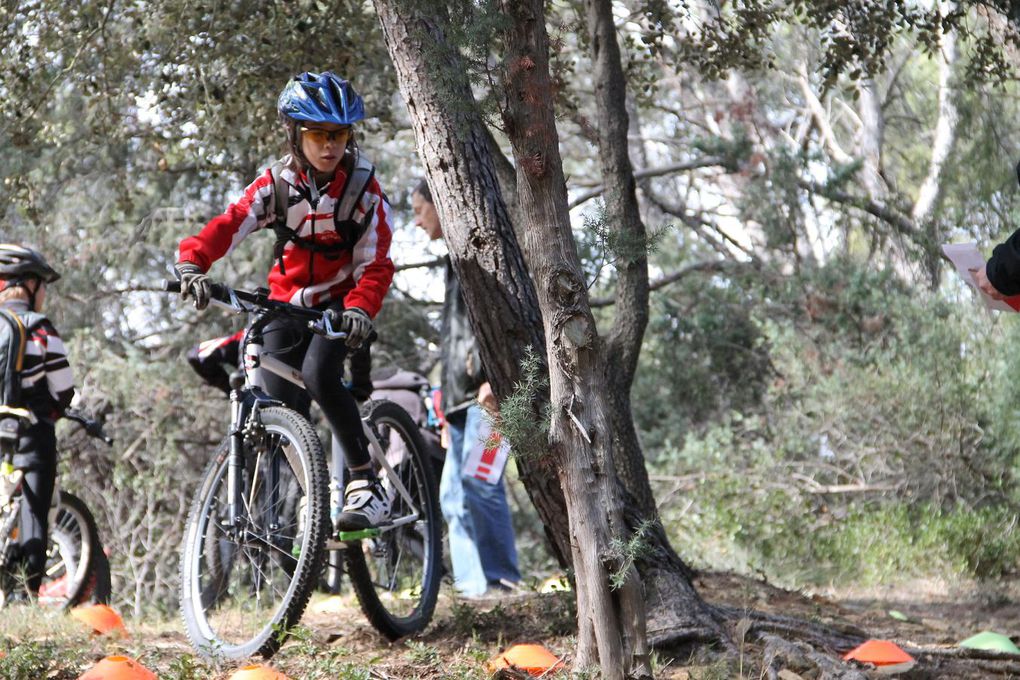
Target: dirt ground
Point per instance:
(463, 636)
(336, 642)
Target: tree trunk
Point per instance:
(611, 626)
(454, 146)
(623, 342)
(673, 606)
(923, 212)
(505, 312)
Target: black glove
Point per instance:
(194, 282)
(358, 326)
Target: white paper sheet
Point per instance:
(965, 257)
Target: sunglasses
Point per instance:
(320, 136)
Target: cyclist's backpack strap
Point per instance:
(281, 196)
(13, 337)
(357, 183)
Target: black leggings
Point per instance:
(321, 362)
(37, 457)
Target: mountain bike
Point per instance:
(77, 569)
(259, 526)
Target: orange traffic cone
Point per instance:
(101, 618)
(532, 659)
(884, 655)
(118, 668)
(257, 673)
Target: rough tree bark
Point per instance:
(454, 145)
(610, 619)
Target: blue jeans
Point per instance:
(482, 549)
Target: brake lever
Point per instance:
(234, 305)
(324, 327)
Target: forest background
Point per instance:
(819, 399)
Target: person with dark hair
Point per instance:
(46, 387)
(482, 550)
(332, 225)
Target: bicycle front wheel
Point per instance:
(396, 575)
(245, 580)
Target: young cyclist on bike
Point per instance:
(47, 387)
(323, 260)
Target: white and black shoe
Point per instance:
(366, 505)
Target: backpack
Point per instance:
(343, 217)
(15, 329)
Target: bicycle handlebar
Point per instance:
(319, 322)
(92, 427)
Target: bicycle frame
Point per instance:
(249, 397)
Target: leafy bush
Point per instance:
(884, 446)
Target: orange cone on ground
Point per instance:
(883, 654)
(118, 668)
(258, 673)
(101, 618)
(532, 659)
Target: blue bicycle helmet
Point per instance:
(321, 98)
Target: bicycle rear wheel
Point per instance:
(99, 587)
(244, 586)
(71, 553)
(396, 575)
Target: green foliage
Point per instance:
(701, 342)
(626, 553)
(40, 659)
(856, 36)
(423, 655)
(187, 667)
(600, 245)
(527, 434)
(884, 447)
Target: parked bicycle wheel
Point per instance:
(396, 575)
(71, 556)
(244, 586)
(99, 587)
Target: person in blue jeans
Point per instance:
(482, 550)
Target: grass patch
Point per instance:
(796, 539)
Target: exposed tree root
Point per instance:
(800, 657)
(790, 647)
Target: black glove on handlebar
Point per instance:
(195, 283)
(358, 326)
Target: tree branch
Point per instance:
(945, 130)
(707, 162)
(713, 266)
(891, 216)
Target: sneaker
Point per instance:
(366, 505)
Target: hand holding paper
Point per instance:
(971, 265)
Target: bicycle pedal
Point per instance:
(358, 535)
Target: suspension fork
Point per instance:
(240, 408)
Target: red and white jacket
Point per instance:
(359, 276)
